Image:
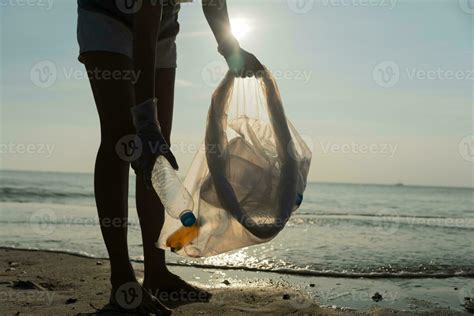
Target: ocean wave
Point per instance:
(382, 222)
(376, 220)
(338, 274)
(380, 214)
(38, 194)
(466, 273)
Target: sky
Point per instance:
(381, 90)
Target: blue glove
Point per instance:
(153, 144)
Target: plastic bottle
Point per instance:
(176, 199)
(182, 237)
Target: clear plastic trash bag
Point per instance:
(250, 173)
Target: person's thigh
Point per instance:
(164, 90)
(111, 78)
(166, 66)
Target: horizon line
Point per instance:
(401, 184)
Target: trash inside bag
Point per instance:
(249, 175)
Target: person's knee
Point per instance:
(118, 141)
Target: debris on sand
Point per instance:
(469, 304)
(286, 296)
(27, 285)
(71, 300)
(226, 282)
(377, 297)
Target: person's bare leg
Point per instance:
(151, 212)
(150, 209)
(113, 98)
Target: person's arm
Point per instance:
(146, 26)
(218, 18)
(241, 62)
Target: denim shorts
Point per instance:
(99, 32)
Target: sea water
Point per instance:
(340, 230)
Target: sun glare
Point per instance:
(240, 27)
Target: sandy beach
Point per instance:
(38, 282)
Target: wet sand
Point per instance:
(49, 283)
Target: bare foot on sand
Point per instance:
(173, 291)
(132, 297)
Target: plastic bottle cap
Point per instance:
(188, 219)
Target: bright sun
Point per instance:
(240, 27)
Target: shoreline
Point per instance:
(304, 273)
(235, 291)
